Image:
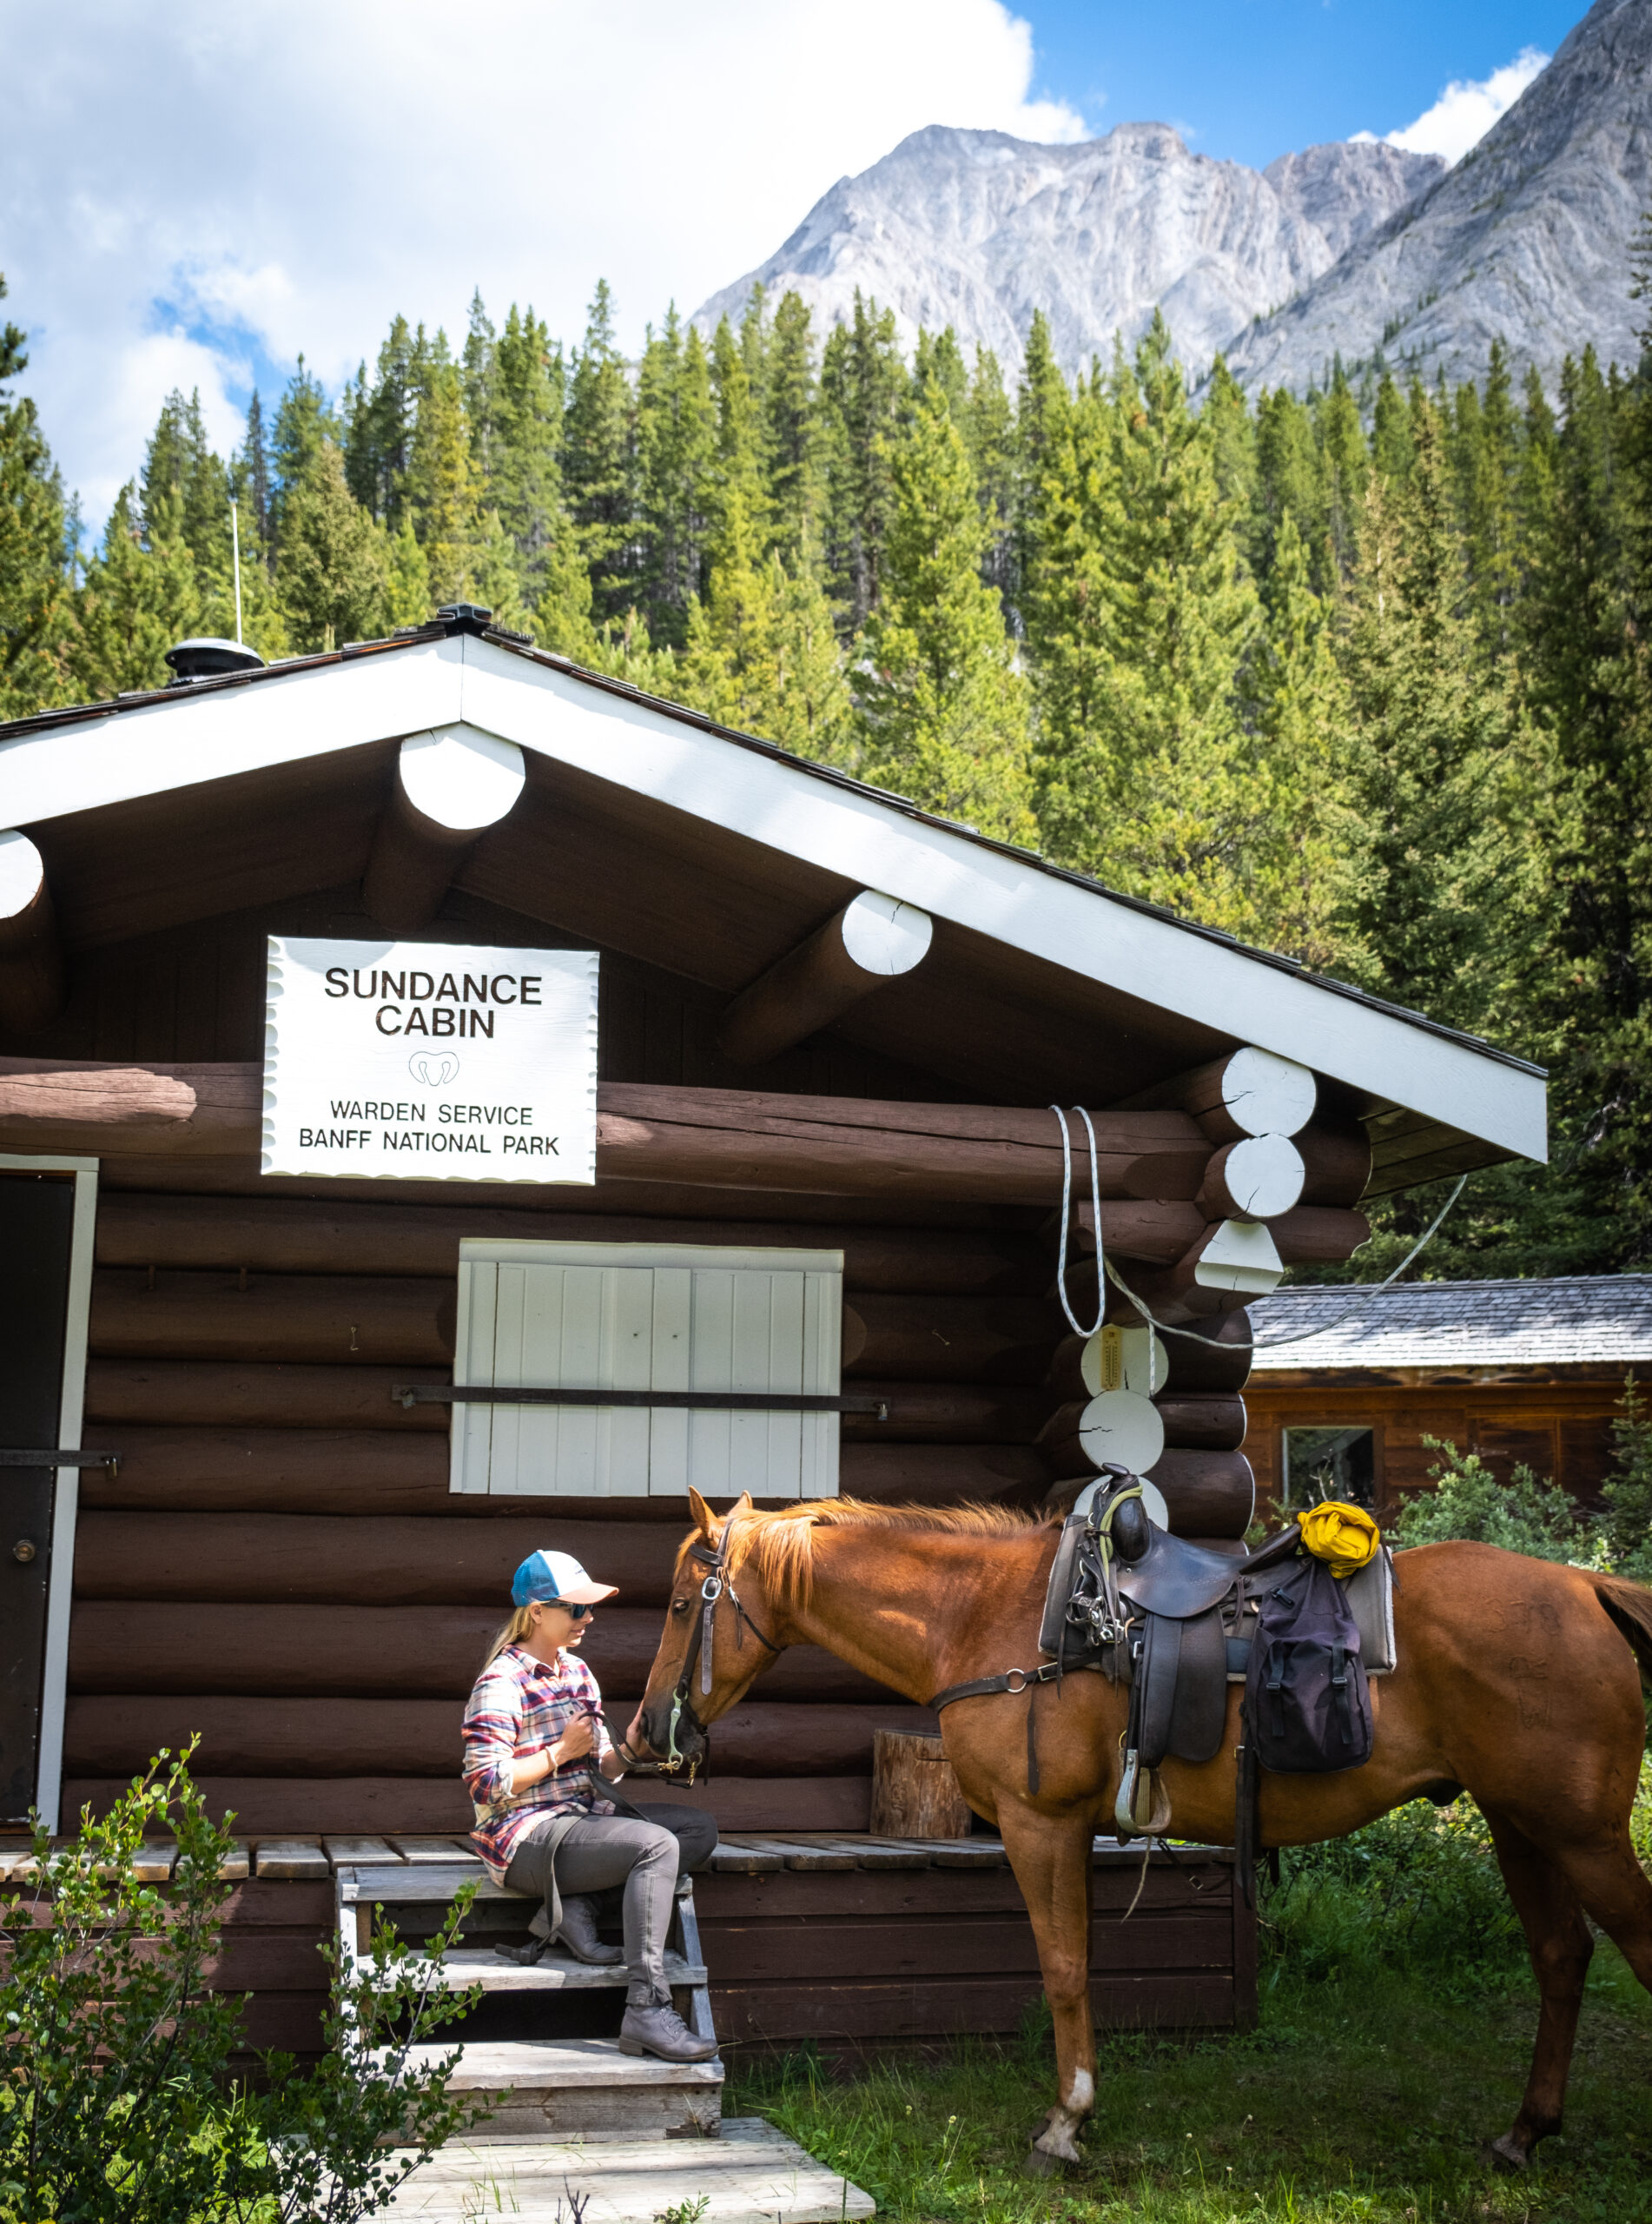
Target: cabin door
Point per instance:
(37, 1231)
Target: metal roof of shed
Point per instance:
(1566, 1320)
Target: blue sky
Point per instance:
(306, 170)
(1249, 79)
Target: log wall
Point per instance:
(280, 1567)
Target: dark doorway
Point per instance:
(37, 1231)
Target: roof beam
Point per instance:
(450, 786)
(32, 977)
(873, 939)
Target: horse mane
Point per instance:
(780, 1543)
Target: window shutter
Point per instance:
(646, 1316)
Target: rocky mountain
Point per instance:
(1527, 238)
(977, 230)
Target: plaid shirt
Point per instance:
(520, 1707)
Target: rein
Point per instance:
(717, 1581)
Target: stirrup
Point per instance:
(1134, 1795)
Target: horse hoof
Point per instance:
(1507, 2157)
(1039, 2164)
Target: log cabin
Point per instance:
(1527, 1373)
(799, 1042)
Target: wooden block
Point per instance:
(238, 1861)
(915, 1788)
(423, 1852)
(292, 1857)
(353, 1851)
(155, 1861)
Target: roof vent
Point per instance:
(205, 659)
(465, 617)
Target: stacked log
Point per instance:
(279, 1564)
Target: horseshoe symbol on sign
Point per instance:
(435, 1069)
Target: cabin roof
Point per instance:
(645, 827)
(1565, 1320)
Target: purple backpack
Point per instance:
(1307, 1704)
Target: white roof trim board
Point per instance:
(1570, 1320)
(176, 739)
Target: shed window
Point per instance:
(1322, 1463)
(646, 1317)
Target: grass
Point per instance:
(1394, 2034)
(1355, 2102)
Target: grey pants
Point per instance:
(601, 1851)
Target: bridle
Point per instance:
(716, 1580)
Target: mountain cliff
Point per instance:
(977, 230)
(1527, 238)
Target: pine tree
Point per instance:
(792, 428)
(251, 475)
(334, 574)
(1487, 463)
(762, 655)
(303, 422)
(139, 597)
(179, 459)
(379, 421)
(677, 441)
(1391, 450)
(524, 477)
(1429, 737)
(943, 709)
(1042, 404)
(35, 579)
(862, 388)
(1585, 650)
(987, 424)
(444, 489)
(1345, 465)
(598, 461)
(737, 476)
(1289, 479)
(1140, 619)
(1233, 443)
(1304, 832)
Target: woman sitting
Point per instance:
(534, 1735)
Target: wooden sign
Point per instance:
(401, 1061)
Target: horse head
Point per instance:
(711, 1647)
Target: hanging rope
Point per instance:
(1078, 1326)
(1302, 1335)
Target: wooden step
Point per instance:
(468, 1965)
(584, 2090)
(751, 2174)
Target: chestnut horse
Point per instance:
(1516, 1681)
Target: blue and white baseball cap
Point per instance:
(556, 1577)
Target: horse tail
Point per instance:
(1629, 1607)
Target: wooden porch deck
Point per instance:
(840, 1939)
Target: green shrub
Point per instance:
(1418, 1890)
(1531, 1515)
(117, 2101)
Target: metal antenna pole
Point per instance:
(234, 542)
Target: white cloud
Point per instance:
(185, 187)
(1465, 111)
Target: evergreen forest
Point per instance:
(1360, 676)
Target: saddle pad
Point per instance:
(1371, 1601)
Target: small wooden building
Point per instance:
(1527, 1373)
(804, 1152)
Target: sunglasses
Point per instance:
(575, 1614)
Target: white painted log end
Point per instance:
(23, 874)
(1266, 1094)
(1123, 1359)
(1121, 1425)
(460, 777)
(1264, 1176)
(885, 937)
(1240, 1255)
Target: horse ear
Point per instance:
(741, 1505)
(704, 1519)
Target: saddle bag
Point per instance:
(1307, 1702)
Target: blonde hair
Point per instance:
(514, 1630)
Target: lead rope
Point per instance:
(1078, 1326)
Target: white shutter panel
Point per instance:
(635, 1316)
